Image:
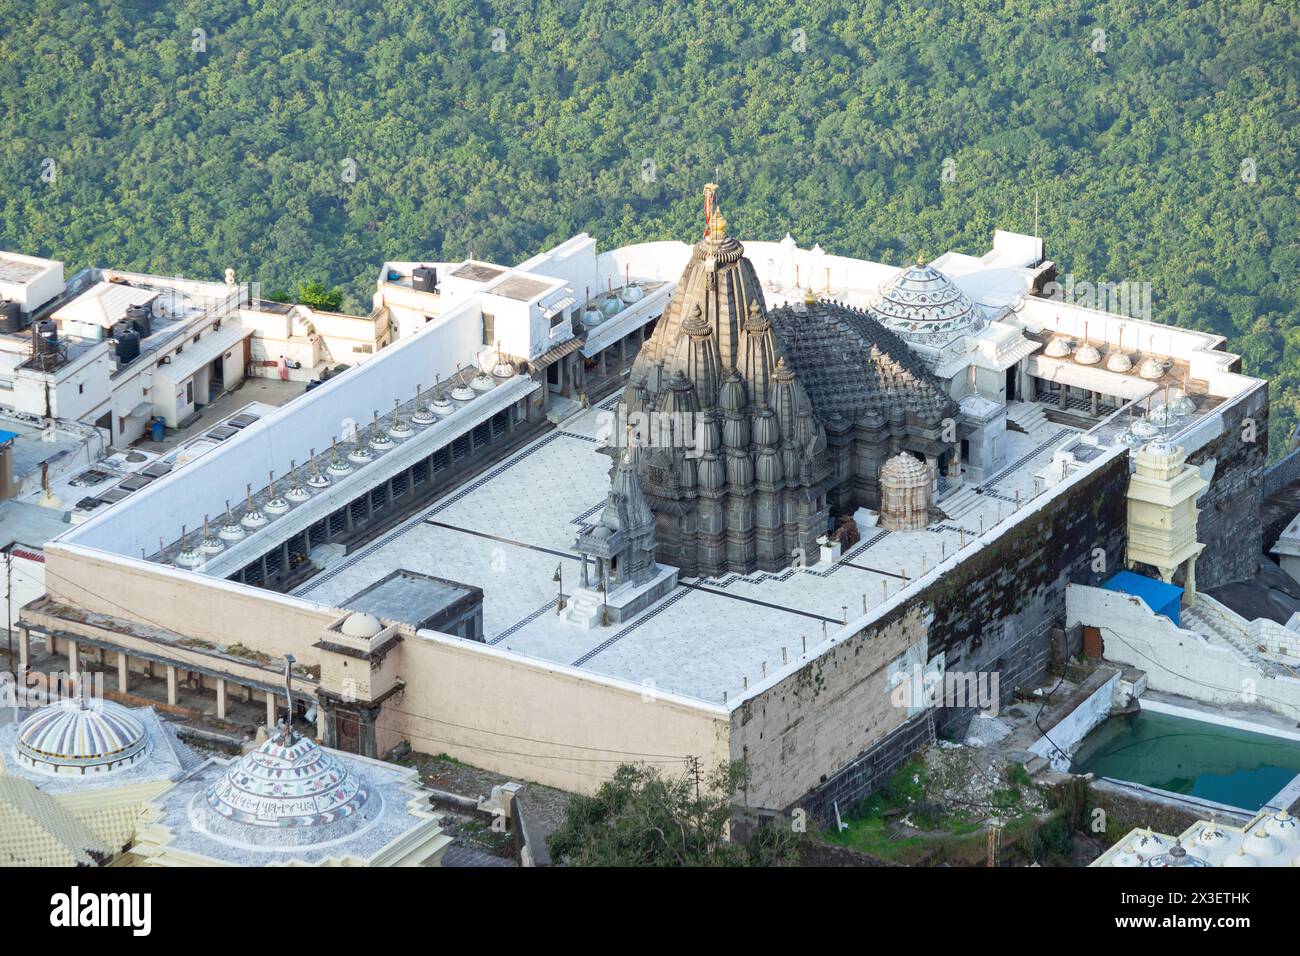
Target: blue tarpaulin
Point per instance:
(7, 436)
(1162, 598)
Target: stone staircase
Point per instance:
(584, 608)
(1030, 416)
(1211, 625)
(961, 502)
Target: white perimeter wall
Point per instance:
(1176, 661)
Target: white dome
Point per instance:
(1210, 835)
(1240, 858)
(1149, 844)
(1262, 845)
(290, 792)
(80, 736)
(1057, 348)
(358, 624)
(921, 304)
(1152, 368)
(1283, 826)
(1119, 362)
(1087, 355)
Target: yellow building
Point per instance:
(1162, 512)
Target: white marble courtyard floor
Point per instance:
(508, 530)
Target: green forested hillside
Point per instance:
(169, 159)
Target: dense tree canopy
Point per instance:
(305, 142)
(645, 817)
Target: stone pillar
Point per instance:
(584, 570)
(270, 712)
(123, 672)
(320, 721)
(1189, 588)
(171, 684)
(1061, 396)
(221, 698)
(24, 649)
(1094, 403)
(74, 672)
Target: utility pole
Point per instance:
(9, 603)
(693, 770)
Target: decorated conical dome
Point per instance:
(80, 736)
(287, 791)
(922, 305)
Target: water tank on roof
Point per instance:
(11, 316)
(141, 317)
(47, 337)
(424, 279)
(126, 342)
(127, 347)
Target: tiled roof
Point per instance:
(36, 830)
(850, 363)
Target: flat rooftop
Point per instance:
(478, 272)
(410, 597)
(521, 288)
(20, 269)
(507, 531)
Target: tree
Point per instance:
(643, 817)
(314, 295)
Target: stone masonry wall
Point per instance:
(991, 613)
(1230, 523)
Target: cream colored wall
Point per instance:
(527, 719)
(188, 604)
(818, 719)
(542, 723)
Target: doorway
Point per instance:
(216, 379)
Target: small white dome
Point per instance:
(1087, 355)
(1283, 826)
(1210, 835)
(1057, 348)
(1262, 845)
(1119, 362)
(358, 624)
(1152, 368)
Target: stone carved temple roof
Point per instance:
(920, 304)
(851, 364)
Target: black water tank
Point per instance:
(11, 316)
(47, 336)
(424, 279)
(141, 316)
(126, 343)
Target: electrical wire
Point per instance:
(199, 662)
